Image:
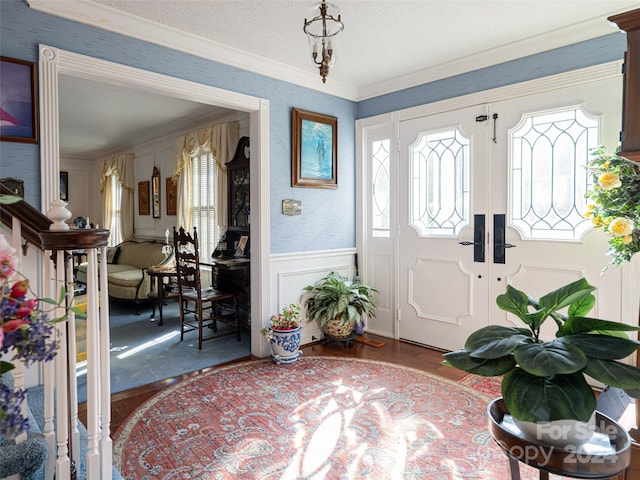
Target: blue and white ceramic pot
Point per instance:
(285, 345)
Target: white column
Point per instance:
(106, 445)
(93, 366)
(63, 462)
(74, 432)
(49, 383)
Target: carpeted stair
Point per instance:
(27, 459)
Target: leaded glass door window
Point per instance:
(439, 195)
(549, 154)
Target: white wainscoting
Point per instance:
(291, 272)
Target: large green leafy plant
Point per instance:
(335, 297)
(546, 380)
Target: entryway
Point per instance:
(485, 196)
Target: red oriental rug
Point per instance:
(319, 418)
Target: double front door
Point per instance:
(493, 195)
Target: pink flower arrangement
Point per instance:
(25, 332)
(287, 320)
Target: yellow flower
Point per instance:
(627, 239)
(591, 206)
(621, 227)
(597, 220)
(609, 181)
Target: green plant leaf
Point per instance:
(585, 325)
(550, 358)
(6, 366)
(566, 295)
(9, 199)
(613, 373)
(542, 399)
(514, 301)
(494, 341)
(602, 346)
(461, 360)
(582, 306)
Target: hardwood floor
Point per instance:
(402, 353)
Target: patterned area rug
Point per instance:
(319, 418)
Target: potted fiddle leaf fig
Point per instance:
(544, 380)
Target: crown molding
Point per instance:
(579, 32)
(110, 19)
(106, 18)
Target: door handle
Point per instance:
(499, 245)
(478, 238)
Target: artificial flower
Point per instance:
(287, 320)
(621, 227)
(614, 203)
(609, 180)
(26, 334)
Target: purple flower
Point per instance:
(12, 422)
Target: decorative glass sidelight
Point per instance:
(439, 198)
(381, 188)
(549, 154)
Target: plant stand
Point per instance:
(606, 455)
(343, 341)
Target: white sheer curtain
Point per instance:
(221, 141)
(121, 166)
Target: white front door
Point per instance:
(442, 175)
(515, 180)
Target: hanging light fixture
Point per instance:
(321, 32)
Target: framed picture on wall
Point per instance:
(314, 150)
(172, 195)
(64, 186)
(143, 198)
(18, 101)
(155, 193)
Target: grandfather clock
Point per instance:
(629, 22)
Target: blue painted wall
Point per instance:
(328, 218)
(564, 59)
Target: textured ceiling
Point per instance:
(381, 39)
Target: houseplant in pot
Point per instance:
(545, 380)
(339, 305)
(283, 333)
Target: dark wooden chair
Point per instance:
(208, 305)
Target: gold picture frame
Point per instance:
(172, 196)
(143, 198)
(314, 149)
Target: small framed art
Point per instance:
(143, 198)
(18, 101)
(64, 186)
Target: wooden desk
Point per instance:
(234, 275)
(600, 458)
(157, 294)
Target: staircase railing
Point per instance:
(52, 236)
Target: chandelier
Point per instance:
(321, 32)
